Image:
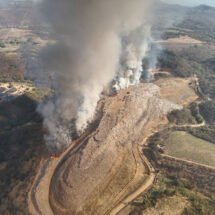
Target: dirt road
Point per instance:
(146, 185)
(189, 161)
(38, 198)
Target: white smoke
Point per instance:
(136, 45)
(97, 41)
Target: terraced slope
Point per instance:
(107, 166)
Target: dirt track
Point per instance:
(148, 183)
(38, 198)
(39, 206)
(189, 161)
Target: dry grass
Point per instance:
(14, 33)
(185, 146)
(181, 40)
(11, 66)
(177, 90)
(169, 206)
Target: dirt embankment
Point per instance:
(106, 167)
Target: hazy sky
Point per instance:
(192, 2)
(182, 2)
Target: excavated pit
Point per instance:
(107, 166)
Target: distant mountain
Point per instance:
(167, 15)
(204, 8)
(201, 22)
(17, 14)
(198, 22)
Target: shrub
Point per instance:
(2, 45)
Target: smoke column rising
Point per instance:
(86, 57)
(134, 49)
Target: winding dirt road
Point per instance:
(146, 185)
(38, 198)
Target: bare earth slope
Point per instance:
(92, 180)
(107, 166)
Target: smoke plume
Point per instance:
(97, 41)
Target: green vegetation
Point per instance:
(180, 64)
(207, 110)
(165, 187)
(185, 146)
(190, 143)
(175, 32)
(200, 23)
(11, 68)
(2, 44)
(172, 34)
(17, 113)
(37, 94)
(205, 133)
(197, 23)
(21, 148)
(182, 117)
(14, 42)
(187, 116)
(193, 61)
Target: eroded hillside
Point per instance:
(106, 166)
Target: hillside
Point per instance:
(118, 165)
(174, 20)
(200, 22)
(106, 165)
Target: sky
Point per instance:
(187, 2)
(181, 2)
(191, 2)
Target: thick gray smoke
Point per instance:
(88, 56)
